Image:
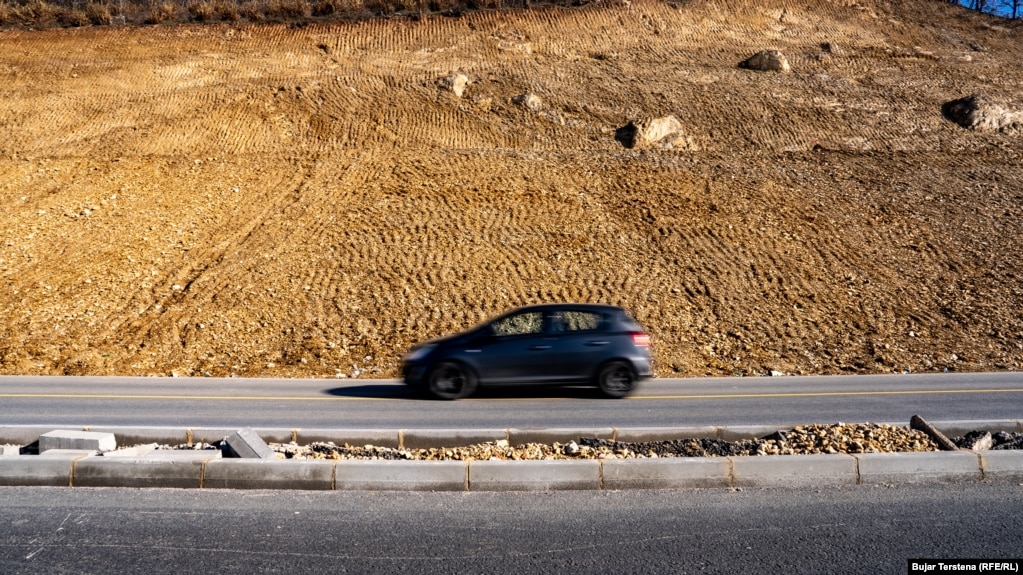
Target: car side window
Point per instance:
(570, 321)
(519, 324)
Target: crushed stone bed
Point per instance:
(801, 440)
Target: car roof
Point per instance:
(556, 306)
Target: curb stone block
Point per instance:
(534, 475)
(311, 475)
(33, 471)
(246, 444)
(209, 435)
(666, 473)
(144, 435)
(1003, 464)
(920, 467)
(354, 437)
(642, 434)
(954, 428)
(276, 434)
(793, 470)
(734, 432)
(69, 453)
(137, 472)
(10, 450)
(71, 439)
(437, 438)
(400, 475)
(185, 455)
(556, 435)
(22, 435)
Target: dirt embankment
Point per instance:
(310, 201)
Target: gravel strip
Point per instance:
(806, 439)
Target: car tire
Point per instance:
(450, 380)
(616, 379)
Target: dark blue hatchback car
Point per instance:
(561, 344)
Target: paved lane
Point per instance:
(386, 404)
(850, 530)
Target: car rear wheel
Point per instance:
(451, 380)
(616, 379)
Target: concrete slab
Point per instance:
(10, 450)
(353, 437)
(534, 475)
(925, 467)
(73, 439)
(557, 435)
(640, 434)
(666, 473)
(401, 475)
(436, 438)
(246, 444)
(35, 471)
(793, 470)
(137, 472)
(312, 475)
(1002, 464)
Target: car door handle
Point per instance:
(539, 347)
(597, 342)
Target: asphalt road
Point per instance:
(387, 404)
(862, 529)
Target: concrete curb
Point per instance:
(205, 469)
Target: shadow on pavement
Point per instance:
(379, 391)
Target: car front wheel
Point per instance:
(451, 380)
(616, 380)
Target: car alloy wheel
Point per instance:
(616, 380)
(450, 380)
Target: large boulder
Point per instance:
(981, 112)
(767, 61)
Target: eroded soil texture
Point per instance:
(309, 201)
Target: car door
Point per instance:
(580, 345)
(517, 351)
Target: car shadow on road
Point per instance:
(380, 391)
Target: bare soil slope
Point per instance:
(308, 201)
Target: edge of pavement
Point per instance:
(203, 470)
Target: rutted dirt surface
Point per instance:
(309, 201)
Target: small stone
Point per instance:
(767, 61)
(454, 83)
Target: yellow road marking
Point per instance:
(218, 397)
(829, 394)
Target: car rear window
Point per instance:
(572, 320)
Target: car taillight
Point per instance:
(640, 338)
